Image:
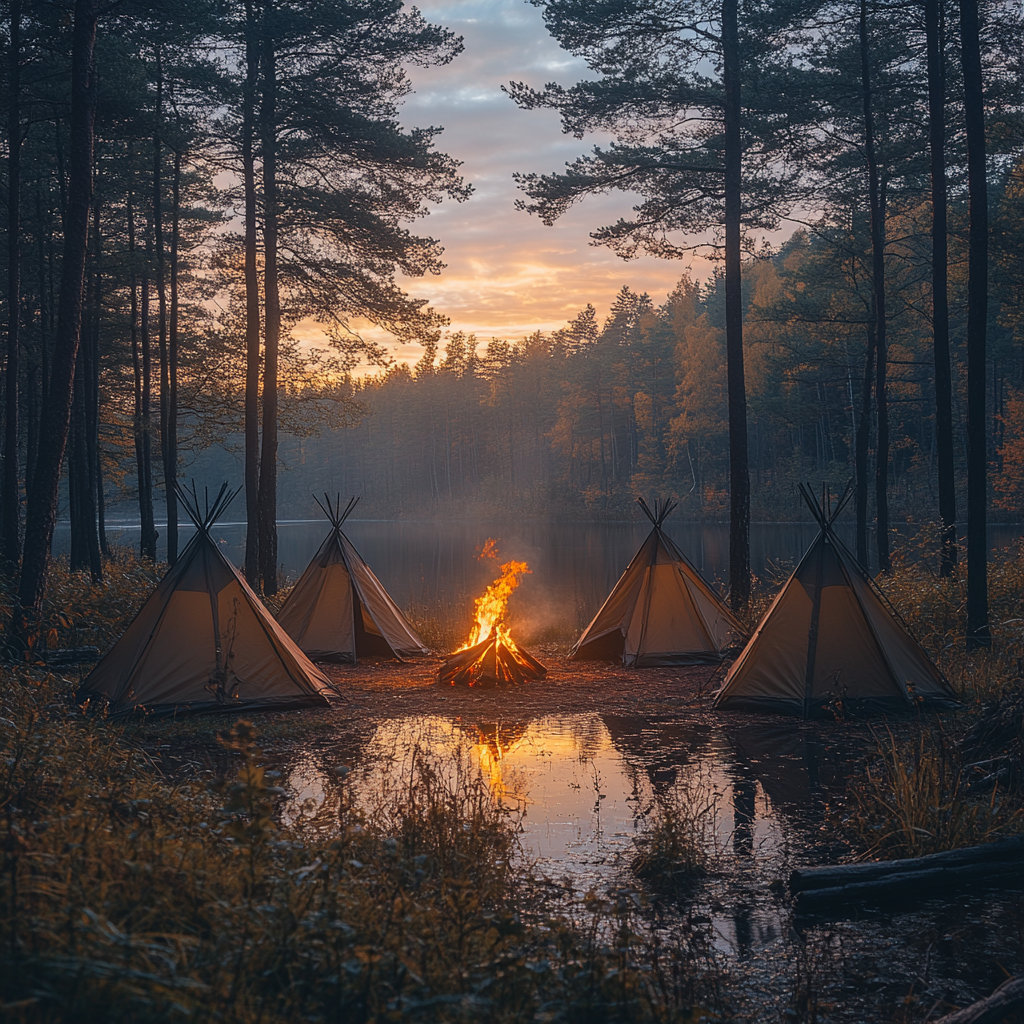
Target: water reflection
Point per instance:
(583, 782)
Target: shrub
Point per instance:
(673, 850)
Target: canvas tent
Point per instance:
(830, 635)
(661, 612)
(339, 611)
(203, 641)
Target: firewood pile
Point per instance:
(993, 749)
(496, 661)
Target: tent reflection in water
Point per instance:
(339, 611)
(830, 636)
(204, 641)
(661, 612)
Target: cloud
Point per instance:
(507, 274)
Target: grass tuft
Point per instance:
(913, 800)
(673, 851)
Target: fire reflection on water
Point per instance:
(583, 785)
(498, 740)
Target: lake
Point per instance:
(433, 567)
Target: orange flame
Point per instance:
(488, 551)
(490, 609)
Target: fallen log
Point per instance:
(821, 888)
(912, 884)
(832, 875)
(992, 1009)
(62, 656)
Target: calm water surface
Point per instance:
(585, 784)
(432, 566)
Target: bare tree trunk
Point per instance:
(147, 542)
(42, 500)
(153, 535)
(85, 549)
(171, 443)
(252, 307)
(170, 471)
(862, 444)
(272, 312)
(877, 212)
(933, 18)
(739, 474)
(10, 521)
(978, 634)
(93, 390)
(36, 383)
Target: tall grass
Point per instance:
(935, 609)
(912, 800)
(126, 896)
(77, 612)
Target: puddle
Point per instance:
(583, 784)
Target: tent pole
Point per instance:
(812, 635)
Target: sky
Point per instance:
(507, 273)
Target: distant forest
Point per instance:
(579, 421)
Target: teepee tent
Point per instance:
(338, 611)
(828, 636)
(661, 612)
(203, 641)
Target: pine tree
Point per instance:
(696, 150)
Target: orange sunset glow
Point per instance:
(508, 275)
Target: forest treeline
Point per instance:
(580, 420)
(184, 184)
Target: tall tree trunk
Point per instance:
(252, 305)
(940, 306)
(147, 541)
(862, 444)
(739, 475)
(272, 311)
(170, 470)
(978, 634)
(152, 536)
(85, 551)
(36, 383)
(10, 520)
(93, 389)
(171, 457)
(877, 213)
(42, 500)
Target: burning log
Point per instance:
(495, 661)
(492, 657)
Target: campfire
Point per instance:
(491, 657)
